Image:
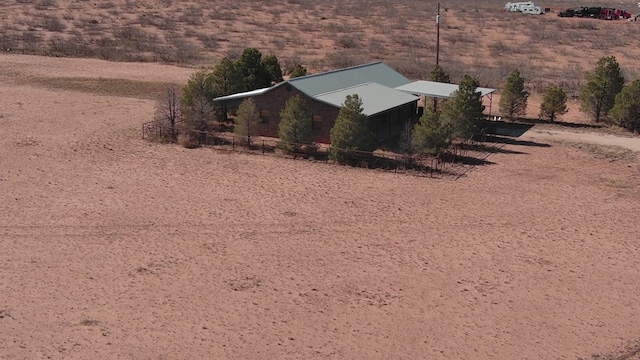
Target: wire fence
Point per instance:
(453, 162)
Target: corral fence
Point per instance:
(445, 164)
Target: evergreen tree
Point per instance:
(513, 98)
(273, 68)
(295, 126)
(350, 131)
(602, 85)
(430, 135)
(298, 71)
(554, 103)
(439, 75)
(247, 121)
(464, 112)
(626, 111)
(254, 75)
(226, 80)
(196, 104)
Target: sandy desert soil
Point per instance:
(112, 247)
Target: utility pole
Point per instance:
(438, 35)
(435, 100)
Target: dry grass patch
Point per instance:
(101, 86)
(605, 152)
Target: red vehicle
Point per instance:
(623, 14)
(608, 14)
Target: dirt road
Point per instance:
(631, 143)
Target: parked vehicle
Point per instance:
(518, 6)
(527, 7)
(534, 10)
(608, 14)
(596, 12)
(623, 14)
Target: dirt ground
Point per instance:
(112, 247)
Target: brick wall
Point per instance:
(272, 102)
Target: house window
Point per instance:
(264, 116)
(316, 122)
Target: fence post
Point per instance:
(233, 143)
(395, 170)
(262, 147)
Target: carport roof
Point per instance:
(435, 89)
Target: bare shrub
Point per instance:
(347, 42)
(188, 141)
(46, 4)
(105, 5)
(52, 23)
(209, 42)
(31, 42)
(584, 25)
(192, 15)
(341, 59)
(8, 41)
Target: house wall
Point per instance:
(391, 123)
(272, 102)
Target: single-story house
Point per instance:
(388, 98)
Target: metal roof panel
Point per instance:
(375, 98)
(377, 72)
(436, 89)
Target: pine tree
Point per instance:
(350, 131)
(196, 105)
(298, 71)
(513, 98)
(295, 126)
(439, 75)
(602, 85)
(247, 121)
(464, 112)
(273, 68)
(254, 74)
(430, 135)
(626, 111)
(226, 80)
(554, 103)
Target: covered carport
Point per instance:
(440, 90)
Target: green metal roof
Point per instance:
(376, 72)
(375, 98)
(372, 82)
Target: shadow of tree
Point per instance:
(511, 141)
(495, 149)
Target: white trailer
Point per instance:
(534, 10)
(518, 6)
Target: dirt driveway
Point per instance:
(536, 133)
